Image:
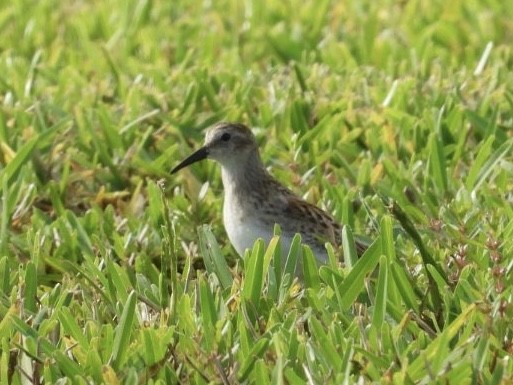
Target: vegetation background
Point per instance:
(396, 116)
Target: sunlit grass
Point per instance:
(394, 116)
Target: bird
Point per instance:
(254, 201)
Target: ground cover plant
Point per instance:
(394, 116)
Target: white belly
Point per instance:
(243, 231)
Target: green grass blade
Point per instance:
(208, 313)
(254, 281)
(214, 259)
(491, 163)
(5, 219)
(310, 270)
(483, 154)
(118, 289)
(71, 327)
(4, 360)
(437, 164)
(30, 288)
(123, 332)
(21, 158)
(404, 286)
(388, 249)
(261, 373)
(6, 324)
(325, 344)
(353, 285)
(349, 247)
(418, 367)
(272, 263)
(5, 274)
(256, 352)
(380, 305)
(293, 257)
(387, 238)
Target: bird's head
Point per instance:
(230, 144)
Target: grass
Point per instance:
(396, 117)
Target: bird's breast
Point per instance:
(243, 228)
(246, 219)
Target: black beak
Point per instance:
(201, 154)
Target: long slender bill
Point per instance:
(200, 154)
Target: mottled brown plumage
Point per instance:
(254, 201)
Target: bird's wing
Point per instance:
(310, 220)
(328, 230)
(320, 224)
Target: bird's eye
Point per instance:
(225, 137)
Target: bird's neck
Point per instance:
(244, 176)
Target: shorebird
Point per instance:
(254, 201)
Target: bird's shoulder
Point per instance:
(321, 223)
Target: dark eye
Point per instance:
(225, 137)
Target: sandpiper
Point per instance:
(254, 201)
